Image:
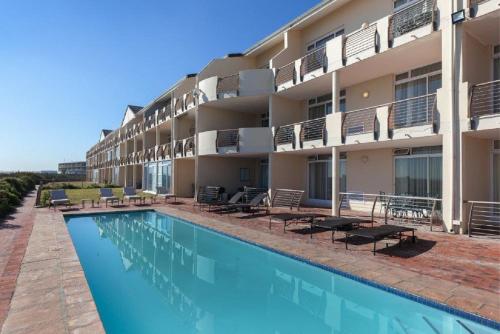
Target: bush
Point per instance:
(9, 188)
(44, 199)
(11, 198)
(16, 183)
(5, 207)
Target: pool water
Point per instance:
(152, 273)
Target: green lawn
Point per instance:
(76, 195)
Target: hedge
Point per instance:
(13, 189)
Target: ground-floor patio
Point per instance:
(44, 289)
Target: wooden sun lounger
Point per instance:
(336, 223)
(379, 233)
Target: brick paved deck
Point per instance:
(451, 269)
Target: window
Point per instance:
(419, 172)
(264, 120)
(319, 43)
(496, 171)
(399, 4)
(150, 177)
(244, 174)
(165, 175)
(342, 101)
(320, 106)
(409, 86)
(343, 173)
(320, 178)
(264, 174)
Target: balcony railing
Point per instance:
(284, 135)
(313, 61)
(150, 122)
(189, 146)
(360, 41)
(484, 219)
(189, 101)
(484, 99)
(178, 106)
(164, 152)
(410, 18)
(414, 111)
(358, 122)
(227, 85)
(227, 138)
(284, 74)
(149, 155)
(314, 129)
(178, 149)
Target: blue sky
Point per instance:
(68, 68)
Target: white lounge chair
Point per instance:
(130, 194)
(163, 193)
(58, 197)
(106, 195)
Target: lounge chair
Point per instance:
(207, 196)
(106, 195)
(235, 199)
(163, 193)
(58, 197)
(255, 203)
(130, 194)
(379, 233)
(289, 199)
(336, 223)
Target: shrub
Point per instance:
(5, 207)
(12, 198)
(44, 199)
(16, 183)
(9, 188)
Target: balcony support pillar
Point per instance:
(335, 91)
(335, 180)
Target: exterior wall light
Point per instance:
(458, 16)
(366, 94)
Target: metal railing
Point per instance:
(178, 105)
(227, 138)
(313, 61)
(189, 102)
(138, 128)
(475, 2)
(150, 122)
(313, 129)
(398, 208)
(414, 111)
(359, 121)
(359, 41)
(485, 99)
(229, 84)
(285, 73)
(410, 18)
(189, 146)
(284, 135)
(178, 148)
(163, 114)
(484, 219)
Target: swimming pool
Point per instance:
(152, 273)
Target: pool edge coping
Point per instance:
(385, 287)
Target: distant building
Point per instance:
(72, 168)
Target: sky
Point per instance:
(69, 68)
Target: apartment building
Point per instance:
(72, 168)
(360, 96)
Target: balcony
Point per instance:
(310, 134)
(482, 7)
(416, 112)
(149, 155)
(484, 105)
(359, 122)
(178, 106)
(164, 152)
(123, 161)
(150, 122)
(178, 149)
(253, 82)
(189, 147)
(164, 114)
(234, 141)
(360, 44)
(411, 18)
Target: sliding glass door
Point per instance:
(418, 175)
(320, 180)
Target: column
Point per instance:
(335, 92)
(335, 180)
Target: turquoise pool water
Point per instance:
(152, 273)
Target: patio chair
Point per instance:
(255, 203)
(290, 199)
(106, 195)
(130, 194)
(163, 193)
(379, 233)
(58, 197)
(207, 196)
(235, 199)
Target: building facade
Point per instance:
(359, 96)
(73, 168)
